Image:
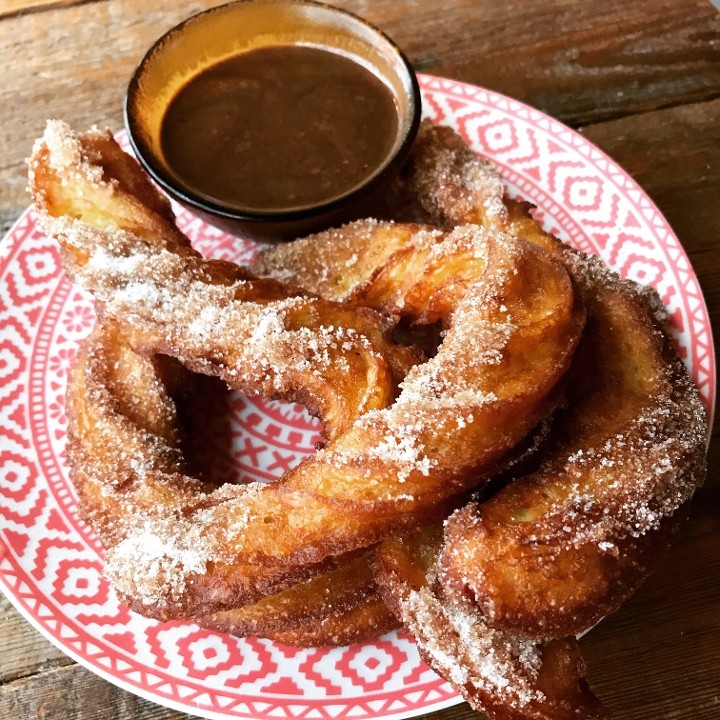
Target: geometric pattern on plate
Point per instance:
(51, 563)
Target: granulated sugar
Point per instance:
(154, 560)
(487, 663)
(453, 182)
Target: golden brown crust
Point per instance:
(566, 544)
(339, 607)
(580, 534)
(114, 389)
(455, 186)
(406, 438)
(333, 263)
(503, 674)
(367, 618)
(512, 321)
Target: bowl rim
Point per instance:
(228, 212)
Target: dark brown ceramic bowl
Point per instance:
(225, 31)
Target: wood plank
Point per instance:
(21, 7)
(73, 692)
(657, 657)
(580, 61)
(24, 651)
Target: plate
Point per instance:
(50, 562)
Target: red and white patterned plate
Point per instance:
(50, 563)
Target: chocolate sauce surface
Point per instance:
(279, 128)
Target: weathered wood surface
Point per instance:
(640, 79)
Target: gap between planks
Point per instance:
(15, 8)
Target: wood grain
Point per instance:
(654, 658)
(72, 692)
(23, 654)
(24, 7)
(641, 80)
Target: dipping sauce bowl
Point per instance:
(273, 118)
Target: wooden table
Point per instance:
(639, 79)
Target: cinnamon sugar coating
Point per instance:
(570, 538)
(505, 674)
(391, 463)
(582, 532)
(579, 522)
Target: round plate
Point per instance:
(51, 563)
